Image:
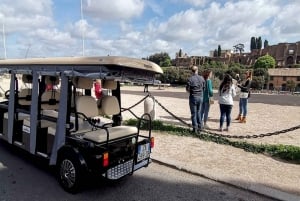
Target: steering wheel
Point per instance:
(6, 94)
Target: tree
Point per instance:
(266, 43)
(180, 53)
(163, 59)
(252, 43)
(290, 85)
(239, 48)
(219, 50)
(265, 61)
(259, 43)
(257, 82)
(215, 53)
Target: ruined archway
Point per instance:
(289, 61)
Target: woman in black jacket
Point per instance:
(244, 95)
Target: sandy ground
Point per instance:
(262, 118)
(256, 172)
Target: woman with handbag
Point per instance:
(207, 97)
(226, 94)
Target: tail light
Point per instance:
(105, 159)
(152, 142)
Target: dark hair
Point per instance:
(206, 73)
(225, 84)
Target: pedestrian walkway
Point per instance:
(254, 172)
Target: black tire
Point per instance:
(70, 172)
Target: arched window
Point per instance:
(289, 60)
(297, 87)
(283, 87)
(271, 86)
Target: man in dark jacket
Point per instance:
(195, 86)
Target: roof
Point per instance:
(293, 72)
(85, 61)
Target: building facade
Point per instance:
(284, 79)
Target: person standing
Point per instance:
(244, 95)
(207, 94)
(195, 86)
(226, 94)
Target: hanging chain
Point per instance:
(227, 136)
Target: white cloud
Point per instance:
(196, 2)
(140, 28)
(114, 10)
(82, 27)
(286, 24)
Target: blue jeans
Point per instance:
(225, 110)
(204, 111)
(243, 106)
(195, 107)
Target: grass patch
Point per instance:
(287, 153)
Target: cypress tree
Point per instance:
(259, 43)
(252, 43)
(266, 43)
(219, 50)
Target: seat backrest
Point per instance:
(53, 80)
(50, 100)
(25, 93)
(25, 97)
(82, 82)
(109, 84)
(87, 105)
(109, 105)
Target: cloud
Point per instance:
(227, 24)
(140, 28)
(196, 2)
(114, 10)
(286, 24)
(25, 15)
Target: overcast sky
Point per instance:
(139, 28)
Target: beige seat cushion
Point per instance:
(44, 123)
(21, 116)
(114, 133)
(46, 97)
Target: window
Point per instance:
(298, 78)
(271, 78)
(284, 78)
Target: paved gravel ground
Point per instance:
(263, 115)
(256, 172)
